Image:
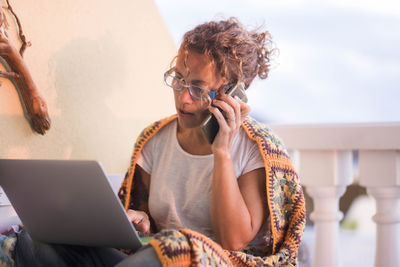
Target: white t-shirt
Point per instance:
(180, 186)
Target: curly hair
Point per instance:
(240, 55)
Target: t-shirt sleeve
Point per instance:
(145, 159)
(254, 159)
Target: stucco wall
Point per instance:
(99, 65)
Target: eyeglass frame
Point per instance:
(211, 94)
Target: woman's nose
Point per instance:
(185, 95)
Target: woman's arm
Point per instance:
(238, 205)
(139, 214)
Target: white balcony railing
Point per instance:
(323, 156)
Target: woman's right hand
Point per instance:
(140, 220)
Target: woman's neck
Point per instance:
(192, 141)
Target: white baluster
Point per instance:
(326, 175)
(380, 173)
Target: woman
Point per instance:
(239, 193)
(236, 201)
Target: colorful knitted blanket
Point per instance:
(285, 203)
(7, 246)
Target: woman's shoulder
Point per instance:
(149, 132)
(155, 127)
(263, 135)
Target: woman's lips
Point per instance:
(184, 114)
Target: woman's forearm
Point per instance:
(230, 216)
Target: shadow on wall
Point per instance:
(95, 112)
(85, 73)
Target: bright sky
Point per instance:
(339, 60)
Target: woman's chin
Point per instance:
(191, 120)
(188, 123)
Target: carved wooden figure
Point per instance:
(34, 106)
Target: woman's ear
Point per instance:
(223, 82)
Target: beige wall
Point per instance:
(99, 65)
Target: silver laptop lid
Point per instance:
(67, 202)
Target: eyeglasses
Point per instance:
(197, 92)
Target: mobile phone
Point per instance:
(210, 126)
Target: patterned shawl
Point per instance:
(285, 203)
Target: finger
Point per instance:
(220, 118)
(136, 216)
(3, 36)
(235, 104)
(4, 48)
(143, 227)
(227, 109)
(140, 220)
(244, 108)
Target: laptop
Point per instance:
(67, 202)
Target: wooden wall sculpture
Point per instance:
(35, 108)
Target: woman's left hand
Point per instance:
(235, 111)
